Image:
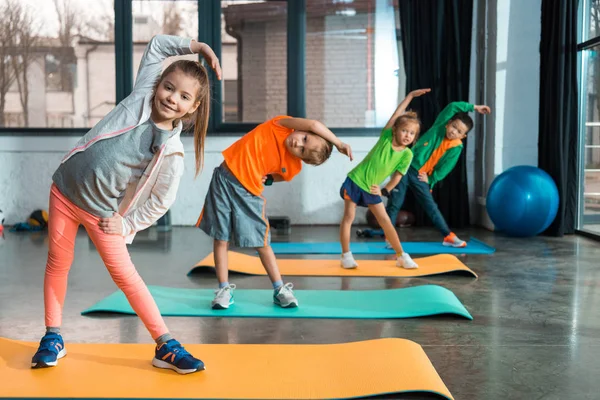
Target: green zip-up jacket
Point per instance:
(431, 140)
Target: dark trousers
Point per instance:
(423, 196)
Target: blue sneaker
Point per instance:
(51, 349)
(172, 355)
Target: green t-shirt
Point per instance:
(380, 163)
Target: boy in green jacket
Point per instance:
(435, 155)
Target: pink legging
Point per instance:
(64, 220)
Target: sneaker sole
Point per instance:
(457, 246)
(165, 365)
(351, 267)
(218, 306)
(42, 364)
(289, 305)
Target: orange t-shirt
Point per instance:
(260, 152)
(438, 153)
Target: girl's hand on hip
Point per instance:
(376, 190)
(112, 225)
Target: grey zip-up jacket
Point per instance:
(148, 199)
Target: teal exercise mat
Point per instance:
(416, 301)
(474, 246)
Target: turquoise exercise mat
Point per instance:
(416, 301)
(474, 247)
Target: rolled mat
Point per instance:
(251, 265)
(415, 301)
(474, 246)
(233, 371)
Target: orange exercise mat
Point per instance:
(233, 371)
(251, 265)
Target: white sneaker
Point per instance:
(405, 261)
(348, 262)
(388, 245)
(284, 297)
(223, 298)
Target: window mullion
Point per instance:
(296, 58)
(123, 49)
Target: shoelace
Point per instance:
(287, 288)
(221, 292)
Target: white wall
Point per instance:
(27, 165)
(512, 77)
(517, 83)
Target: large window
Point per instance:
(254, 60)
(66, 63)
(352, 63)
(56, 69)
(589, 188)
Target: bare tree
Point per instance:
(100, 26)
(172, 21)
(24, 40)
(69, 25)
(7, 72)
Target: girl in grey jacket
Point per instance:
(120, 178)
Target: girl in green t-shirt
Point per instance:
(361, 188)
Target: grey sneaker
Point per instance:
(223, 298)
(284, 297)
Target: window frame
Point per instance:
(209, 31)
(582, 71)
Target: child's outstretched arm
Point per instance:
(459, 106)
(317, 128)
(162, 47)
(402, 106)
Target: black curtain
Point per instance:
(436, 41)
(557, 145)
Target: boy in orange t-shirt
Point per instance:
(234, 209)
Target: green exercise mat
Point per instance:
(416, 301)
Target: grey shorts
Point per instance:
(233, 214)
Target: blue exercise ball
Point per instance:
(522, 201)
